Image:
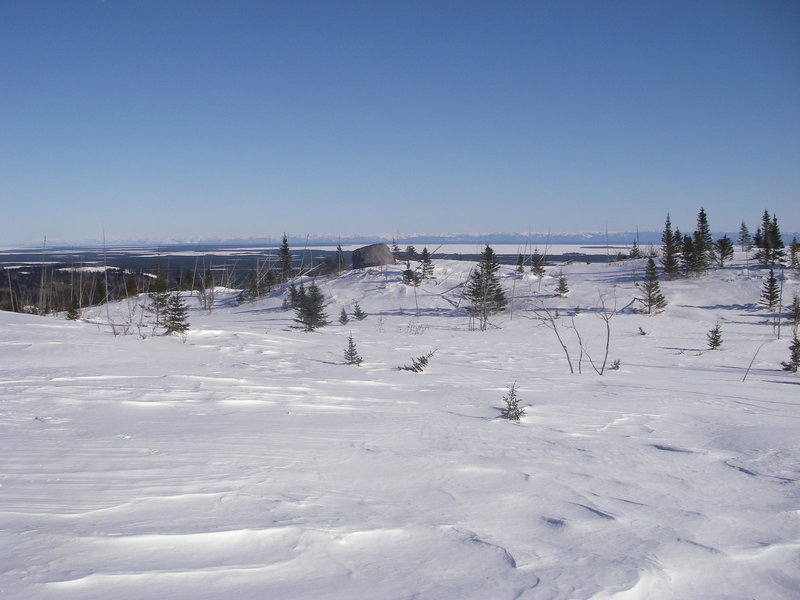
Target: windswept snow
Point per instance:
(248, 460)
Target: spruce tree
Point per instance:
(669, 253)
(343, 318)
(703, 243)
(724, 250)
(745, 241)
(770, 291)
(520, 264)
(562, 289)
(537, 264)
(653, 301)
(689, 256)
(176, 314)
(158, 296)
(358, 313)
(769, 242)
(714, 337)
(411, 253)
(340, 264)
(483, 289)
(351, 356)
(100, 295)
(427, 264)
(294, 296)
(286, 259)
(311, 308)
(410, 276)
(794, 356)
(74, 309)
(131, 285)
(512, 410)
(794, 254)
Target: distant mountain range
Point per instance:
(539, 238)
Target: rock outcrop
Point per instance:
(373, 255)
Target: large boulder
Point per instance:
(373, 255)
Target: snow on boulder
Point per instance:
(373, 255)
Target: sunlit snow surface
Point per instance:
(250, 462)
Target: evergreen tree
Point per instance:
(769, 242)
(724, 250)
(635, 252)
(689, 258)
(294, 295)
(520, 264)
(358, 314)
(770, 291)
(343, 318)
(512, 410)
(410, 276)
(714, 337)
(537, 264)
(176, 314)
(255, 285)
(703, 243)
(427, 264)
(74, 309)
(395, 250)
(286, 259)
(100, 295)
(794, 254)
(562, 289)
(669, 253)
(678, 238)
(340, 263)
(351, 356)
(745, 241)
(411, 253)
(794, 356)
(158, 296)
(131, 285)
(484, 290)
(311, 309)
(653, 301)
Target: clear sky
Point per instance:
(195, 119)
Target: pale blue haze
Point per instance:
(188, 120)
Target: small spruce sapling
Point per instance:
(176, 320)
(343, 318)
(419, 363)
(74, 310)
(512, 410)
(358, 314)
(351, 356)
(562, 289)
(794, 356)
(770, 291)
(714, 337)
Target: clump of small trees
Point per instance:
(309, 307)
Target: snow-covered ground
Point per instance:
(248, 461)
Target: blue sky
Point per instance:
(186, 120)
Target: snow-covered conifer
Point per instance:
(653, 301)
(351, 356)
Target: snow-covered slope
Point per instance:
(247, 460)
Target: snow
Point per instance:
(247, 459)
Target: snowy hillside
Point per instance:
(248, 461)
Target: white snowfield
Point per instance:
(250, 462)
